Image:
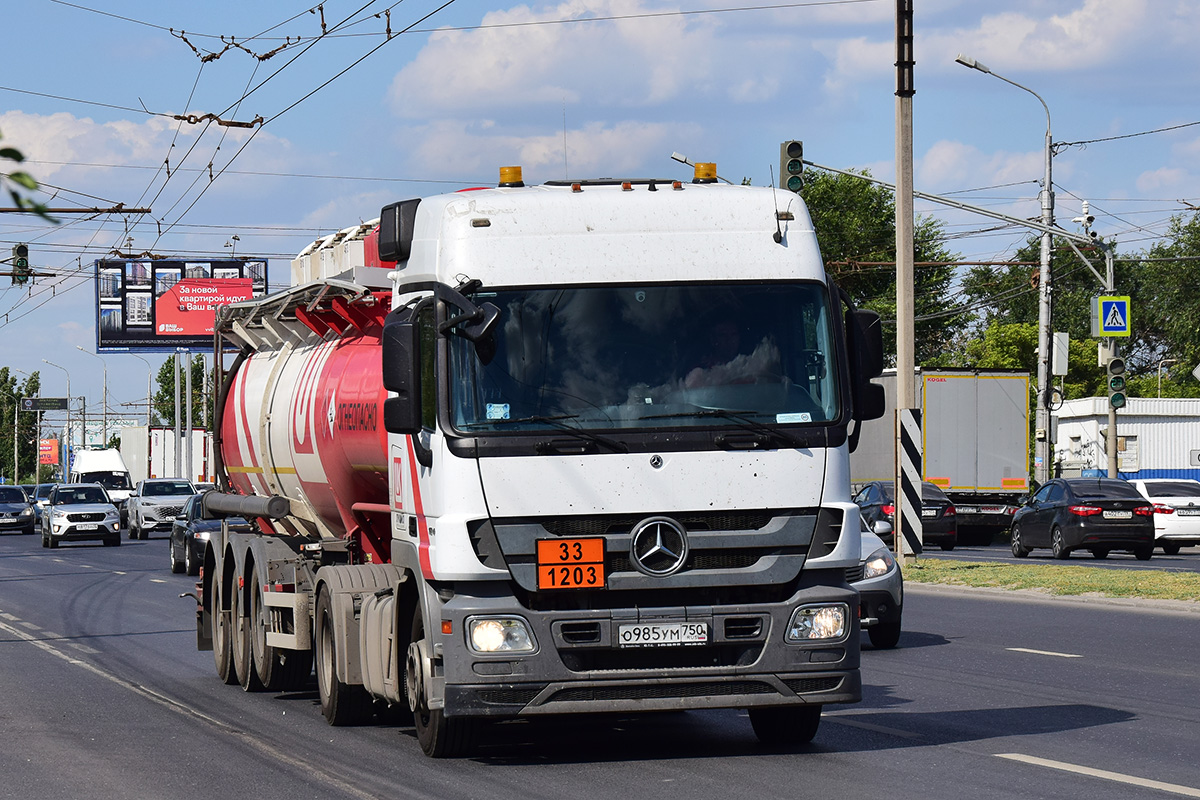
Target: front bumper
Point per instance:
(577, 666)
(72, 533)
(16, 524)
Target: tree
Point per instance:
(26, 431)
(855, 221)
(1169, 305)
(164, 397)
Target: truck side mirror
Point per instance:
(401, 347)
(396, 224)
(864, 330)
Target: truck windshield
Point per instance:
(648, 356)
(109, 480)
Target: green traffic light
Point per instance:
(1116, 383)
(795, 166)
(1116, 400)
(795, 183)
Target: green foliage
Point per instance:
(11, 391)
(164, 397)
(855, 222)
(1059, 579)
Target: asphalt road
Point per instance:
(106, 696)
(1187, 560)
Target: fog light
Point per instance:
(818, 623)
(499, 635)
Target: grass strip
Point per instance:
(1059, 578)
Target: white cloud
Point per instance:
(949, 165)
(1162, 178)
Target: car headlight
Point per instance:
(878, 563)
(111, 515)
(201, 536)
(499, 635)
(26, 512)
(818, 623)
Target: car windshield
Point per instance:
(164, 489)
(1174, 489)
(12, 494)
(648, 357)
(81, 494)
(107, 479)
(43, 490)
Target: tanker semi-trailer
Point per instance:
(587, 451)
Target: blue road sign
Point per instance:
(1113, 316)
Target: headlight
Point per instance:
(818, 623)
(878, 563)
(499, 635)
(111, 515)
(201, 536)
(27, 512)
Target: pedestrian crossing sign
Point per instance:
(1110, 316)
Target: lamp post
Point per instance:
(1162, 361)
(1041, 448)
(149, 405)
(104, 400)
(16, 452)
(67, 462)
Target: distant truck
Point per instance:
(107, 468)
(975, 431)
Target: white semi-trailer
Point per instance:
(557, 449)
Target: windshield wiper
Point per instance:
(557, 423)
(739, 418)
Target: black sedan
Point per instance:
(190, 535)
(1095, 514)
(16, 510)
(939, 525)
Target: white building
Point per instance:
(1156, 438)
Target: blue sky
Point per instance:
(474, 86)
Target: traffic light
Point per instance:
(1116, 382)
(20, 264)
(791, 166)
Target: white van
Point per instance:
(107, 468)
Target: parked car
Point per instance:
(939, 522)
(155, 503)
(190, 534)
(1176, 511)
(16, 511)
(1095, 514)
(80, 512)
(880, 588)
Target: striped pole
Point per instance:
(908, 495)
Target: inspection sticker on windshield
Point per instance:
(497, 410)
(802, 416)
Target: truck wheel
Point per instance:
(1171, 548)
(783, 726)
(341, 703)
(240, 632)
(1057, 546)
(221, 635)
(278, 670)
(439, 736)
(1019, 550)
(885, 635)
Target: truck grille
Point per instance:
(661, 691)
(609, 660)
(695, 521)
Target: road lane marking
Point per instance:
(1132, 780)
(118, 573)
(1043, 652)
(29, 625)
(157, 580)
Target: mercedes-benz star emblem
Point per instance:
(658, 546)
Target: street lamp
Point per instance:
(104, 396)
(16, 408)
(1041, 446)
(1160, 366)
(67, 461)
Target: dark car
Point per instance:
(16, 510)
(1095, 514)
(190, 534)
(939, 524)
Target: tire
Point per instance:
(1099, 552)
(176, 564)
(222, 638)
(1171, 548)
(1143, 552)
(439, 736)
(278, 670)
(189, 565)
(133, 531)
(114, 541)
(53, 543)
(45, 540)
(783, 726)
(947, 546)
(1057, 546)
(1019, 550)
(240, 649)
(885, 635)
(341, 703)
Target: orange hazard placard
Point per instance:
(570, 563)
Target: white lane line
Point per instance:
(29, 625)
(1132, 780)
(157, 580)
(118, 573)
(1043, 652)
(868, 726)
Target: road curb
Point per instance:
(1029, 595)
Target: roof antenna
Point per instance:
(778, 235)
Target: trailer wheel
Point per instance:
(439, 736)
(278, 670)
(221, 638)
(240, 630)
(785, 726)
(341, 703)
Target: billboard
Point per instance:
(164, 305)
(47, 451)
